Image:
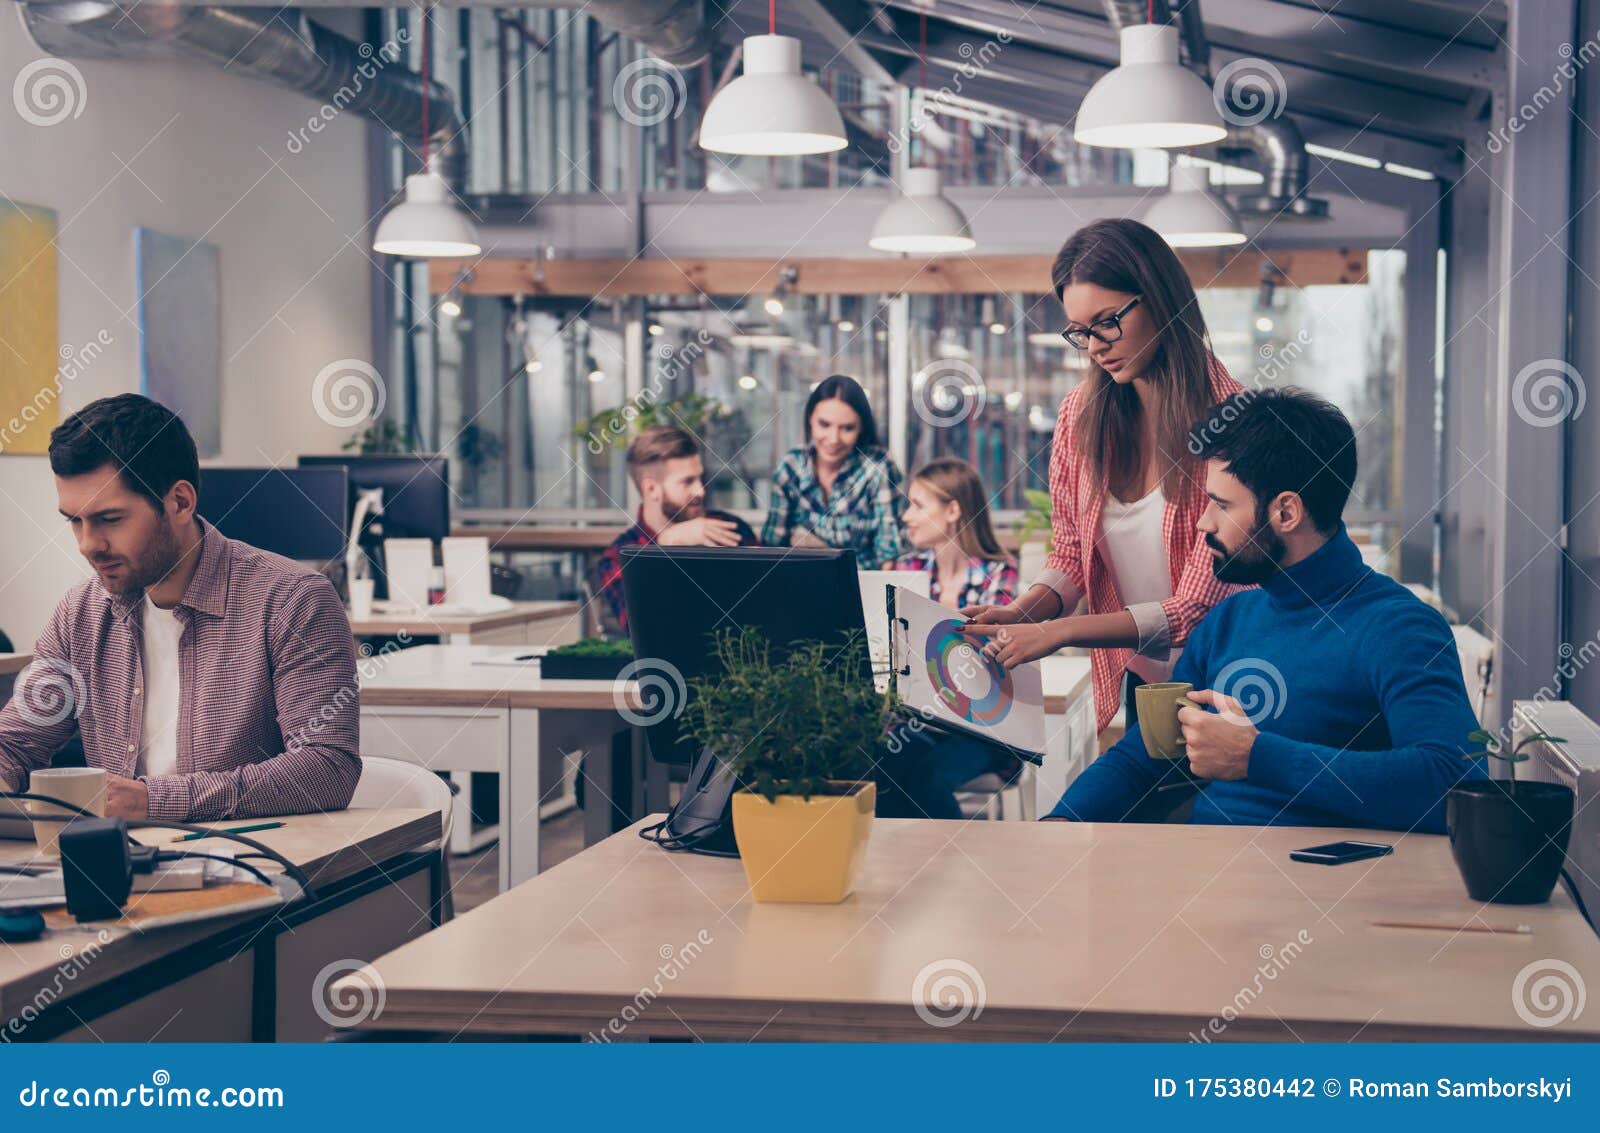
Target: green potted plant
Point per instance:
(1031, 550)
(1509, 839)
(592, 659)
(800, 733)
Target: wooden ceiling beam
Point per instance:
(945, 275)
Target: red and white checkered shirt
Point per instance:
(1077, 566)
(269, 709)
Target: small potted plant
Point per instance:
(800, 733)
(1509, 839)
(592, 659)
(1032, 551)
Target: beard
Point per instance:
(1258, 560)
(154, 562)
(677, 511)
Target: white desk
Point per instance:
(431, 705)
(525, 623)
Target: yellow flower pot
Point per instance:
(797, 849)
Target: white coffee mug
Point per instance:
(361, 597)
(83, 787)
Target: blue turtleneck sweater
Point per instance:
(1355, 687)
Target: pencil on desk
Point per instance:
(1445, 926)
(234, 830)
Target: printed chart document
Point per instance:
(944, 677)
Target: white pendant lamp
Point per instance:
(1150, 100)
(426, 224)
(923, 221)
(1191, 215)
(772, 110)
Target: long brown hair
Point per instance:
(952, 479)
(1124, 255)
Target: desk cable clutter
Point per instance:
(99, 860)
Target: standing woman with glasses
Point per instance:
(1125, 487)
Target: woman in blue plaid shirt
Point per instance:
(839, 489)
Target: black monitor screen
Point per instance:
(300, 513)
(678, 597)
(416, 490)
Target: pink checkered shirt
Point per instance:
(269, 708)
(1076, 567)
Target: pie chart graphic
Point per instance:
(971, 685)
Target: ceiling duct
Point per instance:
(280, 46)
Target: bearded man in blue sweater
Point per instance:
(1333, 695)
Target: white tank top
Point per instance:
(1134, 548)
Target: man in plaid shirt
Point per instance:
(208, 678)
(665, 465)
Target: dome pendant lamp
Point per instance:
(1150, 100)
(1191, 215)
(427, 224)
(922, 220)
(772, 110)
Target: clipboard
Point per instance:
(952, 686)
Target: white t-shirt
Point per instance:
(1136, 551)
(158, 735)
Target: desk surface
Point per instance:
(12, 663)
(421, 623)
(329, 847)
(1073, 932)
(445, 676)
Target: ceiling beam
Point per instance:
(946, 275)
(841, 23)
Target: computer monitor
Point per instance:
(416, 489)
(677, 597)
(299, 513)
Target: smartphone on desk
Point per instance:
(1338, 853)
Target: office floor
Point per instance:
(475, 878)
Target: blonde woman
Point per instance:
(947, 521)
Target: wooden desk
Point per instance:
(1073, 932)
(433, 706)
(526, 623)
(235, 978)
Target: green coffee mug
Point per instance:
(1158, 706)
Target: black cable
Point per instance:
(289, 867)
(171, 856)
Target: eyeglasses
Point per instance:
(1107, 330)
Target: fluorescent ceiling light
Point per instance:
(772, 110)
(1407, 171)
(1344, 155)
(1150, 100)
